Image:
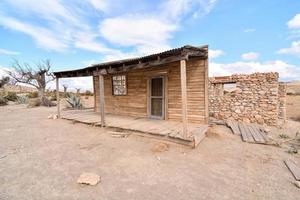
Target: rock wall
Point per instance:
(255, 98)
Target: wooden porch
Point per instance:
(160, 129)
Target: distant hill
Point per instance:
(293, 87)
(19, 88)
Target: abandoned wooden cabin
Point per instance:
(163, 94)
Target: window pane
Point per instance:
(156, 106)
(156, 87)
(119, 85)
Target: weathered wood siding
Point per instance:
(135, 102)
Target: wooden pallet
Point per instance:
(252, 133)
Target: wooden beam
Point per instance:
(206, 90)
(102, 100)
(183, 98)
(57, 97)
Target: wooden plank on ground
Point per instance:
(295, 170)
(256, 135)
(246, 135)
(234, 126)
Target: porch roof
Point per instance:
(152, 60)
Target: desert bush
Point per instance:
(34, 102)
(67, 95)
(296, 118)
(74, 101)
(22, 99)
(46, 102)
(283, 136)
(33, 95)
(11, 96)
(88, 93)
(53, 97)
(3, 101)
(292, 150)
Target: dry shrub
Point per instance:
(34, 102)
(11, 96)
(3, 101)
(32, 95)
(47, 102)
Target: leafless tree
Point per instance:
(65, 89)
(4, 80)
(38, 77)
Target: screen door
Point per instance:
(157, 97)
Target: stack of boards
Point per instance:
(252, 133)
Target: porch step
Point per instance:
(199, 135)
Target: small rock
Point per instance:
(160, 147)
(297, 183)
(119, 134)
(88, 179)
(52, 117)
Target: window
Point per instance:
(229, 88)
(119, 85)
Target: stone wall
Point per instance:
(255, 98)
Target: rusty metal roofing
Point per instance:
(171, 52)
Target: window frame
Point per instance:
(112, 85)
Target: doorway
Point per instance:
(156, 97)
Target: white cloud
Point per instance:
(8, 52)
(286, 71)
(60, 25)
(101, 5)
(147, 33)
(215, 53)
(294, 23)
(293, 50)
(250, 56)
(175, 9)
(249, 30)
(44, 38)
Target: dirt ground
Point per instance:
(293, 107)
(42, 158)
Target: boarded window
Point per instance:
(229, 88)
(119, 85)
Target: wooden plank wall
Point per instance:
(135, 102)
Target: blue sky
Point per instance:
(243, 36)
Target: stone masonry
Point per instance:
(256, 98)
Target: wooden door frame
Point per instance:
(163, 97)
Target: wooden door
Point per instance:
(157, 97)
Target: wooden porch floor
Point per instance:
(163, 129)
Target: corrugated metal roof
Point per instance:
(171, 52)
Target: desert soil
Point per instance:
(42, 158)
(293, 107)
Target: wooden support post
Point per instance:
(57, 97)
(102, 101)
(206, 81)
(183, 98)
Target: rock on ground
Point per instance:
(88, 179)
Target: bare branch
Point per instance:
(38, 77)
